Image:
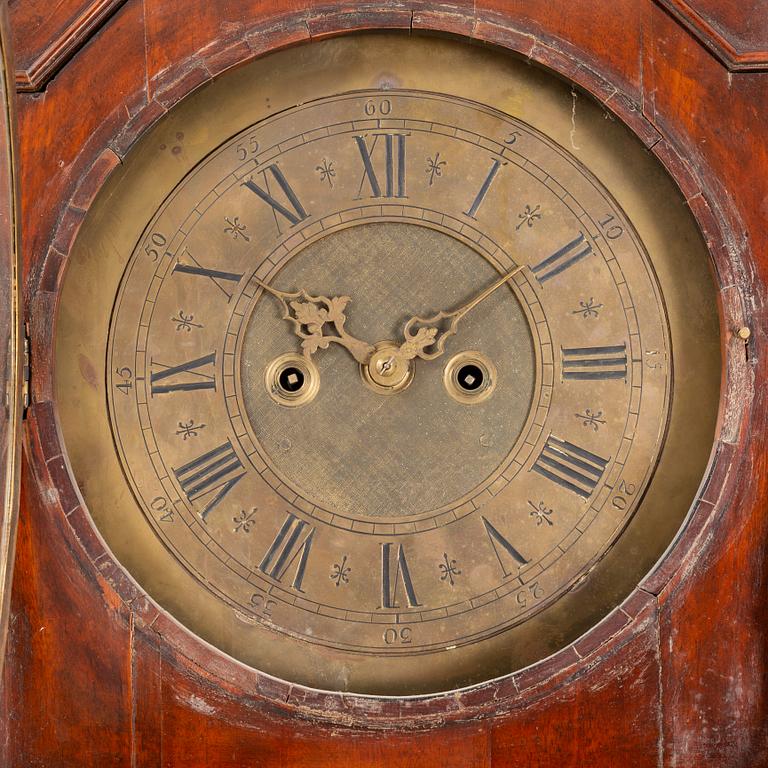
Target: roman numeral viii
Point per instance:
(210, 476)
(392, 576)
(570, 254)
(292, 543)
(186, 377)
(569, 466)
(394, 164)
(292, 209)
(594, 363)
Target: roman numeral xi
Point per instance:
(290, 208)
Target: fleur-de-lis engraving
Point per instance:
(340, 572)
(591, 418)
(327, 171)
(236, 229)
(185, 322)
(529, 216)
(244, 521)
(588, 309)
(189, 429)
(448, 569)
(541, 513)
(435, 167)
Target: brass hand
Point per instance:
(417, 342)
(309, 316)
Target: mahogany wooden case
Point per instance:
(95, 673)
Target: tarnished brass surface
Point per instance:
(310, 204)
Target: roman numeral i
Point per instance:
(220, 278)
(186, 377)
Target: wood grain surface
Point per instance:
(97, 675)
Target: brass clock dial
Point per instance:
(389, 389)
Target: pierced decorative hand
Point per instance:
(425, 336)
(311, 314)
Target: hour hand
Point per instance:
(313, 316)
(424, 333)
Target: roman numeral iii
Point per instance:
(595, 363)
(569, 466)
(394, 164)
(210, 476)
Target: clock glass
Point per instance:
(387, 364)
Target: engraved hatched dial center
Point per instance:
(419, 452)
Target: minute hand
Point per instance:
(425, 336)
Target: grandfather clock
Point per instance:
(392, 384)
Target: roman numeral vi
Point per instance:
(391, 577)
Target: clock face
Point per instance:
(384, 380)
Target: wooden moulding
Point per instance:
(177, 647)
(50, 42)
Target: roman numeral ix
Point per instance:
(595, 363)
(210, 476)
(569, 466)
(186, 377)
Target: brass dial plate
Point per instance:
(387, 542)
